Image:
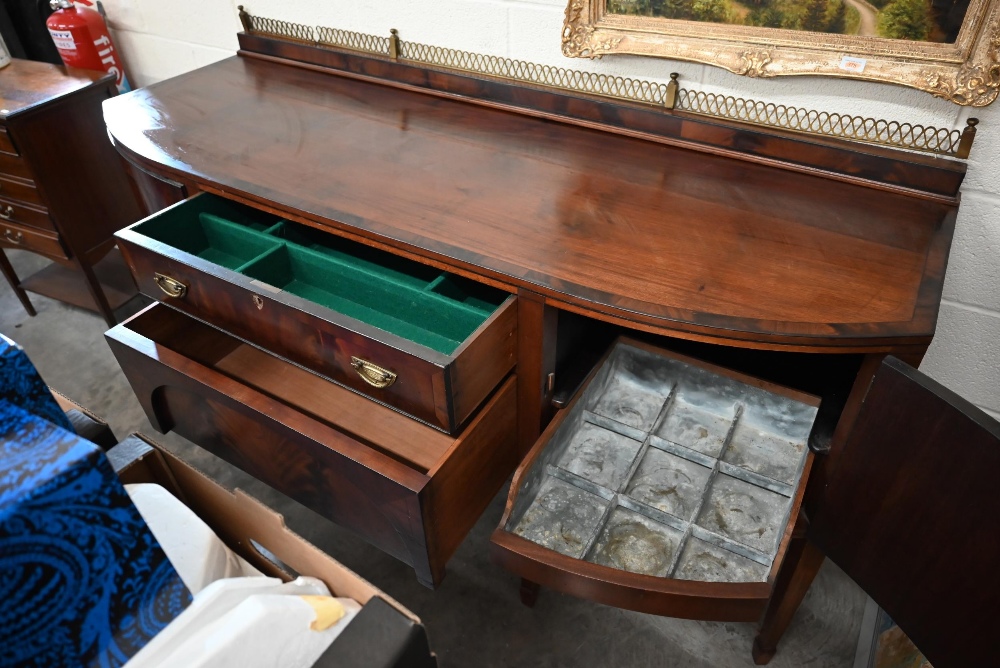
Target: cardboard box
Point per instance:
(383, 634)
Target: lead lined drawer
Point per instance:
(410, 490)
(668, 486)
(424, 342)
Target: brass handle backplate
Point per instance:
(13, 237)
(171, 286)
(7, 212)
(373, 374)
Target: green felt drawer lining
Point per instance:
(413, 301)
(377, 262)
(415, 314)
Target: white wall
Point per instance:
(163, 38)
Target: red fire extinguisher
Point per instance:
(82, 39)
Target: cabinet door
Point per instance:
(912, 514)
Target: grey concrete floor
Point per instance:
(475, 617)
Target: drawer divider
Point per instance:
(260, 258)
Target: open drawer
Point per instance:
(421, 341)
(668, 486)
(408, 489)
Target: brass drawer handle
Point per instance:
(13, 237)
(373, 374)
(171, 286)
(7, 212)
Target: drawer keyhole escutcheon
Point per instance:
(7, 212)
(373, 374)
(258, 301)
(13, 237)
(171, 286)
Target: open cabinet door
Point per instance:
(912, 514)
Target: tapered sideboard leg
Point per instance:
(802, 563)
(529, 592)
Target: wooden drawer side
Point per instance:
(489, 354)
(465, 482)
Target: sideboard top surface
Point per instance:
(665, 236)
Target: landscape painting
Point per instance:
(913, 20)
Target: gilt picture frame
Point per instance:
(952, 53)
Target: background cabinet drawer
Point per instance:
(13, 235)
(421, 341)
(16, 212)
(21, 190)
(6, 145)
(14, 165)
(406, 488)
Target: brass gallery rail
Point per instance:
(914, 137)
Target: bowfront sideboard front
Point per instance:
(500, 237)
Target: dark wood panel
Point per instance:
(536, 332)
(671, 237)
(911, 511)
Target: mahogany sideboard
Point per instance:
(799, 261)
(63, 191)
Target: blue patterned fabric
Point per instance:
(21, 385)
(83, 582)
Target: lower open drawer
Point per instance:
(668, 486)
(408, 489)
